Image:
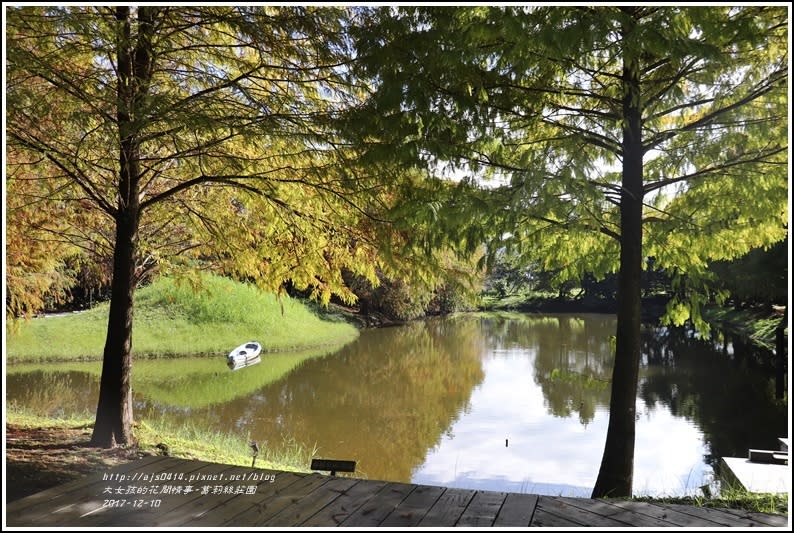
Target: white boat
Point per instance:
(244, 355)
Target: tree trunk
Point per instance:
(134, 67)
(617, 465)
(114, 412)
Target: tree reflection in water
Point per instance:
(724, 386)
(389, 399)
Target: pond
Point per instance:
(513, 402)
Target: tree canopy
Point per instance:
(195, 136)
(612, 137)
(529, 101)
(228, 110)
(272, 142)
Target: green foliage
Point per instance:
(507, 276)
(230, 119)
(36, 250)
(394, 299)
(445, 284)
(759, 277)
(175, 319)
(757, 325)
(532, 101)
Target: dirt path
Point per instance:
(37, 459)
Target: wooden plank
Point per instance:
(214, 515)
(68, 505)
(175, 508)
(312, 503)
(448, 508)
(230, 511)
(266, 508)
(541, 518)
(93, 498)
(717, 516)
(586, 515)
(774, 520)
(295, 499)
(171, 508)
(379, 506)
(346, 504)
(664, 513)
(517, 510)
(482, 510)
(641, 520)
(593, 505)
(606, 508)
(194, 507)
(412, 509)
(53, 493)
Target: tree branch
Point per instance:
(767, 86)
(759, 158)
(75, 174)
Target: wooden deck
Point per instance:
(165, 491)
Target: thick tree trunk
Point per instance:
(617, 465)
(114, 412)
(134, 67)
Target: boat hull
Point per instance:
(244, 355)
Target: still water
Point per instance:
(514, 402)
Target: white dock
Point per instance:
(759, 477)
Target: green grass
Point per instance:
(21, 416)
(173, 319)
(193, 442)
(731, 498)
(186, 441)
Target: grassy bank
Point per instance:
(174, 319)
(732, 498)
(185, 441)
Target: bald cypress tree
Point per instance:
(611, 135)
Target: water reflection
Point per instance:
(382, 401)
(53, 393)
(720, 385)
(505, 402)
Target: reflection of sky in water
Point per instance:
(552, 455)
(434, 402)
